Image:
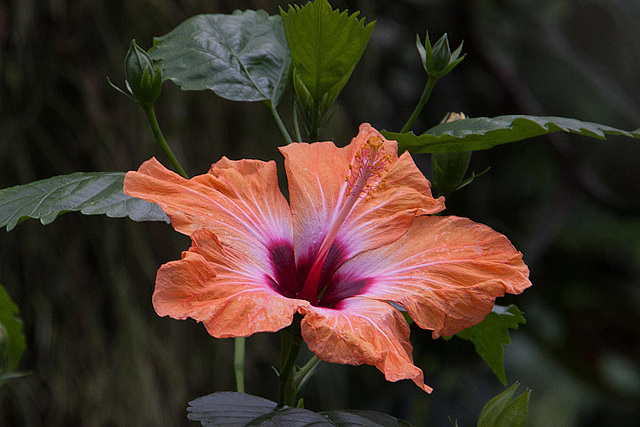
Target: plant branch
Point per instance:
(279, 123)
(431, 82)
(155, 127)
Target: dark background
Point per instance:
(99, 355)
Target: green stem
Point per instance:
(279, 124)
(155, 127)
(431, 82)
(296, 123)
(238, 362)
(306, 372)
(291, 344)
(314, 126)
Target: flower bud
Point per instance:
(143, 77)
(438, 60)
(449, 169)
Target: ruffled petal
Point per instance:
(240, 201)
(361, 331)
(446, 272)
(222, 288)
(317, 175)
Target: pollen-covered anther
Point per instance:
(368, 168)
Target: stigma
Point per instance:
(368, 168)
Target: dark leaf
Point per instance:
(481, 133)
(241, 57)
(93, 193)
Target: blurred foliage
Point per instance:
(99, 354)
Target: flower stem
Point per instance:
(279, 123)
(306, 372)
(296, 123)
(238, 362)
(155, 127)
(431, 82)
(291, 344)
(314, 125)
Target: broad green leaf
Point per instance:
(501, 411)
(241, 57)
(239, 409)
(481, 133)
(325, 45)
(94, 193)
(12, 341)
(490, 335)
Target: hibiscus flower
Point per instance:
(353, 245)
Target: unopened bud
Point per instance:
(449, 169)
(438, 60)
(143, 77)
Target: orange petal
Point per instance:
(240, 201)
(317, 176)
(446, 272)
(361, 331)
(222, 288)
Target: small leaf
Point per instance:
(325, 45)
(502, 412)
(93, 193)
(241, 57)
(481, 133)
(12, 341)
(490, 335)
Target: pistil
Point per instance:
(366, 174)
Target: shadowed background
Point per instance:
(99, 355)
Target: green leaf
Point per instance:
(501, 411)
(93, 193)
(481, 133)
(325, 45)
(490, 335)
(12, 341)
(239, 409)
(241, 57)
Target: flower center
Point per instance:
(366, 174)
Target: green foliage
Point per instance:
(501, 411)
(93, 193)
(481, 133)
(12, 341)
(241, 57)
(490, 335)
(239, 409)
(325, 45)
